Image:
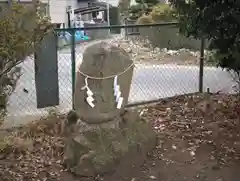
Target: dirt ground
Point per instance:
(199, 140)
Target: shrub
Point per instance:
(165, 37)
(163, 12)
(219, 22)
(143, 7)
(22, 29)
(145, 19)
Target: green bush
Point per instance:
(145, 19)
(217, 21)
(165, 37)
(123, 6)
(143, 7)
(135, 11)
(163, 12)
(22, 29)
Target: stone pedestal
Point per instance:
(109, 148)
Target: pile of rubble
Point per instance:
(142, 52)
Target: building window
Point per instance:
(94, 14)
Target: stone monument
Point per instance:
(103, 136)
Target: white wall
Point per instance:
(75, 5)
(57, 10)
(112, 2)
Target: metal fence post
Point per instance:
(201, 65)
(108, 18)
(73, 60)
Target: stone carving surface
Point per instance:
(102, 60)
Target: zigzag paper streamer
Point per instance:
(117, 93)
(89, 98)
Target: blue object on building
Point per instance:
(79, 36)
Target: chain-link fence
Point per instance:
(166, 64)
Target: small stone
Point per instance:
(174, 147)
(192, 153)
(152, 177)
(168, 110)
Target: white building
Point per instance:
(57, 9)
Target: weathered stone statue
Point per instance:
(106, 136)
(102, 61)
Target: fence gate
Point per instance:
(46, 73)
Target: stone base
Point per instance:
(110, 150)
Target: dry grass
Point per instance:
(33, 152)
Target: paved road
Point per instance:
(149, 82)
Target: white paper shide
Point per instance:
(89, 98)
(117, 93)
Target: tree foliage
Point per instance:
(23, 27)
(159, 13)
(163, 12)
(123, 6)
(216, 20)
(145, 19)
(149, 2)
(143, 7)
